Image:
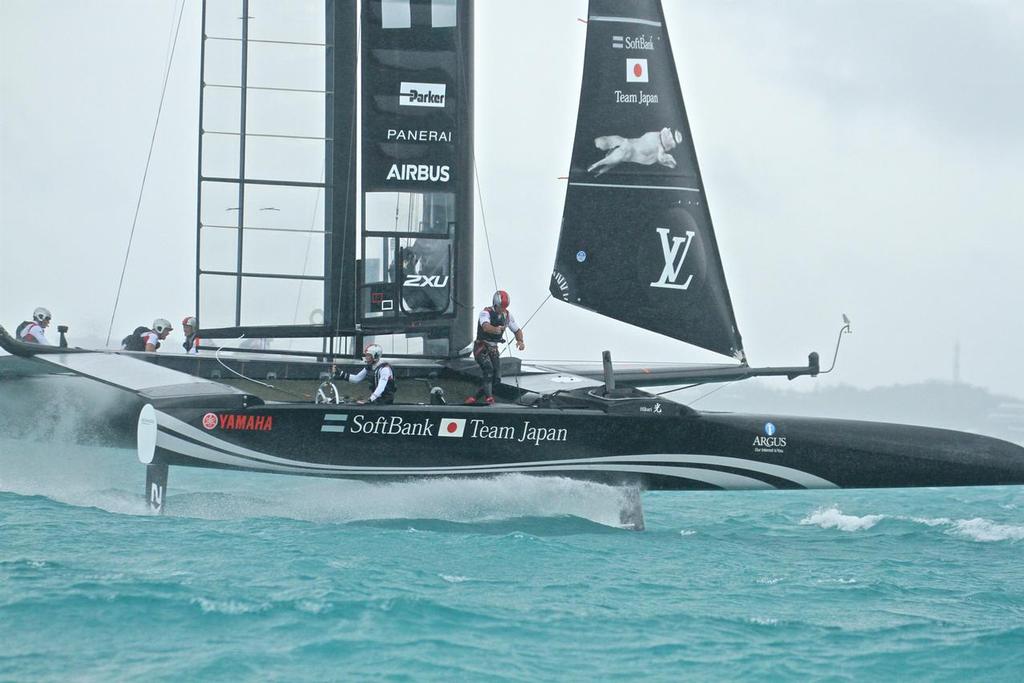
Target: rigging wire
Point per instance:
(536, 311)
(508, 346)
(476, 169)
(703, 396)
(149, 157)
(483, 220)
(309, 245)
(685, 386)
(216, 356)
(170, 33)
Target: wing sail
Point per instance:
(637, 243)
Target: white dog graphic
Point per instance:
(649, 148)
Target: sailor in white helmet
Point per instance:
(383, 376)
(147, 338)
(34, 330)
(190, 328)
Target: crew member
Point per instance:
(34, 330)
(147, 338)
(191, 331)
(490, 330)
(383, 376)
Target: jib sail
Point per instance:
(637, 242)
(417, 139)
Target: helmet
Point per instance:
(500, 299)
(189, 321)
(41, 314)
(161, 325)
(374, 351)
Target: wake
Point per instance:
(111, 479)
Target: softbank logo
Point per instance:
(673, 259)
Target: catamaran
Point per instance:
(387, 260)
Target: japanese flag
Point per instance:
(451, 427)
(636, 70)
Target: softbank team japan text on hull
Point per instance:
(665, 447)
(478, 428)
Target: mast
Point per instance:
(340, 167)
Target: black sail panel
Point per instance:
(637, 243)
(340, 166)
(417, 138)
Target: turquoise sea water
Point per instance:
(273, 578)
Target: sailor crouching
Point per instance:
(34, 331)
(383, 376)
(147, 338)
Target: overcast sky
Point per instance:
(859, 157)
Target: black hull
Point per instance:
(674, 450)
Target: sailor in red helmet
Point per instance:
(490, 331)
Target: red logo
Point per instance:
(209, 421)
(246, 423)
(452, 427)
(636, 71)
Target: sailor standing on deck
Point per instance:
(34, 331)
(490, 330)
(383, 376)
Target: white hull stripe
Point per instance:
(725, 480)
(244, 457)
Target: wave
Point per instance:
(833, 518)
(986, 531)
(976, 529)
(229, 607)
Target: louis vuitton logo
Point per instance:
(673, 259)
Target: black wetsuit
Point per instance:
(485, 351)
